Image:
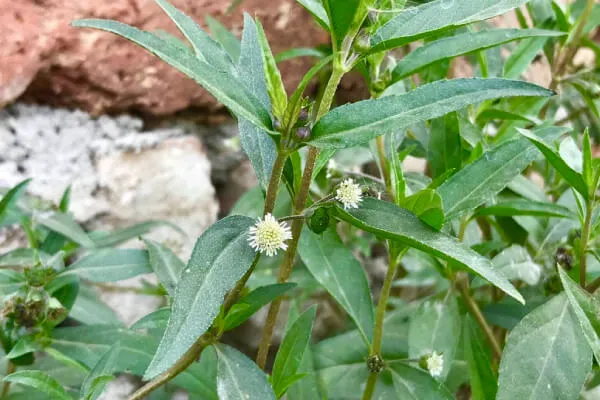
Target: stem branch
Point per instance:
(585, 237)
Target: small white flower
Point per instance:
(435, 364)
(349, 194)
(268, 235)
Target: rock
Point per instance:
(47, 60)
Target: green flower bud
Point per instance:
(319, 221)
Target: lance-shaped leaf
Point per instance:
(271, 74)
(357, 123)
(225, 37)
(459, 45)
(391, 222)
(238, 378)
(417, 22)
(220, 258)
(225, 87)
(511, 208)
(110, 265)
(333, 265)
(122, 235)
(345, 18)
(315, 7)
(39, 381)
(165, 264)
(65, 225)
(477, 182)
(414, 384)
(546, 355)
(100, 374)
(11, 197)
(482, 377)
(587, 310)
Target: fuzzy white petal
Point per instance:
(269, 235)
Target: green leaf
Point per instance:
(122, 235)
(521, 57)
(414, 384)
(345, 18)
(459, 45)
(435, 16)
(477, 182)
(290, 353)
(435, 327)
(586, 309)
(27, 344)
(238, 378)
(445, 149)
(427, 205)
(482, 377)
(111, 265)
(96, 379)
(11, 198)
(357, 123)
(260, 148)
(315, 7)
(65, 225)
(299, 52)
(205, 47)
(220, 258)
(89, 309)
(227, 89)
(574, 178)
(21, 257)
(252, 302)
(40, 382)
(587, 165)
(333, 265)
(10, 281)
(546, 355)
(391, 222)
(515, 262)
(511, 208)
(272, 75)
(165, 264)
(87, 344)
(228, 40)
(155, 320)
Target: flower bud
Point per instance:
(362, 44)
(564, 257)
(303, 115)
(303, 133)
(277, 124)
(319, 221)
(375, 364)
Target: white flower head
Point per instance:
(349, 194)
(269, 235)
(435, 364)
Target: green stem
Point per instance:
(585, 237)
(285, 269)
(212, 335)
(10, 368)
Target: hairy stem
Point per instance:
(585, 237)
(287, 264)
(212, 336)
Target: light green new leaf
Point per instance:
(391, 222)
(315, 7)
(165, 264)
(225, 87)
(477, 182)
(333, 265)
(427, 205)
(11, 197)
(521, 57)
(357, 123)
(252, 302)
(423, 20)
(511, 208)
(238, 378)
(414, 384)
(482, 377)
(587, 310)
(65, 225)
(345, 18)
(20, 257)
(220, 258)
(459, 45)
(435, 327)
(272, 76)
(40, 382)
(100, 374)
(155, 320)
(292, 349)
(225, 37)
(574, 178)
(546, 355)
(111, 265)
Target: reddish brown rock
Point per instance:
(47, 61)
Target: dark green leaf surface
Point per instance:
(228, 90)
(165, 264)
(516, 207)
(357, 123)
(252, 302)
(414, 384)
(238, 378)
(11, 197)
(458, 45)
(39, 381)
(477, 182)
(333, 265)
(445, 149)
(546, 356)
(428, 18)
(482, 377)
(290, 353)
(111, 265)
(344, 16)
(220, 258)
(391, 222)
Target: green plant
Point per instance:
(502, 270)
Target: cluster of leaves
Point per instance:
(498, 239)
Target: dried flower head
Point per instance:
(349, 193)
(435, 364)
(268, 235)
